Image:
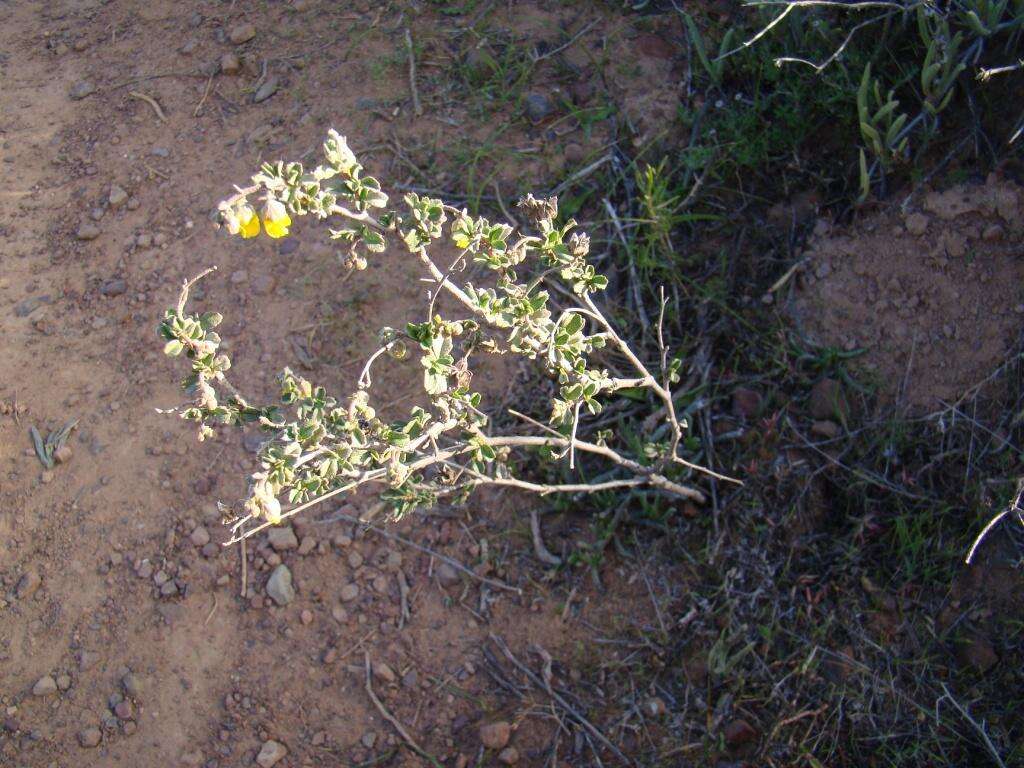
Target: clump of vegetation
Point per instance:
(319, 446)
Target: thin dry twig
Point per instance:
(542, 552)
(978, 727)
(151, 101)
(206, 94)
(417, 107)
(571, 41)
(558, 699)
(426, 550)
(392, 719)
(1015, 506)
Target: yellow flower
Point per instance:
(248, 222)
(276, 219)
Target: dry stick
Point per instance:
(566, 44)
(542, 552)
(151, 101)
(984, 532)
(416, 106)
(245, 575)
(426, 550)
(206, 93)
(557, 698)
(403, 591)
(645, 321)
(977, 727)
(759, 35)
(394, 720)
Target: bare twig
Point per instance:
(394, 720)
(417, 107)
(978, 727)
(542, 552)
(558, 699)
(151, 101)
(1015, 506)
(567, 44)
(426, 550)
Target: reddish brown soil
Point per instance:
(213, 674)
(934, 296)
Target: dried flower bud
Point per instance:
(579, 244)
(538, 211)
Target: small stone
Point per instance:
(509, 756)
(44, 686)
(242, 33)
(827, 429)
(993, 233)
(188, 47)
(200, 537)
(123, 710)
(339, 614)
(354, 560)
(738, 733)
(279, 586)
(447, 575)
(917, 224)
(369, 739)
(282, 538)
(410, 679)
(574, 153)
(90, 737)
(306, 617)
(229, 64)
(63, 682)
(145, 569)
(827, 401)
(160, 239)
(270, 753)
(265, 91)
(384, 672)
(81, 89)
(168, 589)
(495, 735)
(978, 654)
(160, 152)
(114, 287)
(308, 545)
(746, 402)
(87, 231)
(537, 106)
(131, 685)
(654, 46)
(117, 196)
(28, 584)
(349, 592)
(288, 247)
(341, 541)
(87, 660)
(655, 707)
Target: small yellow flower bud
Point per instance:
(276, 219)
(248, 222)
